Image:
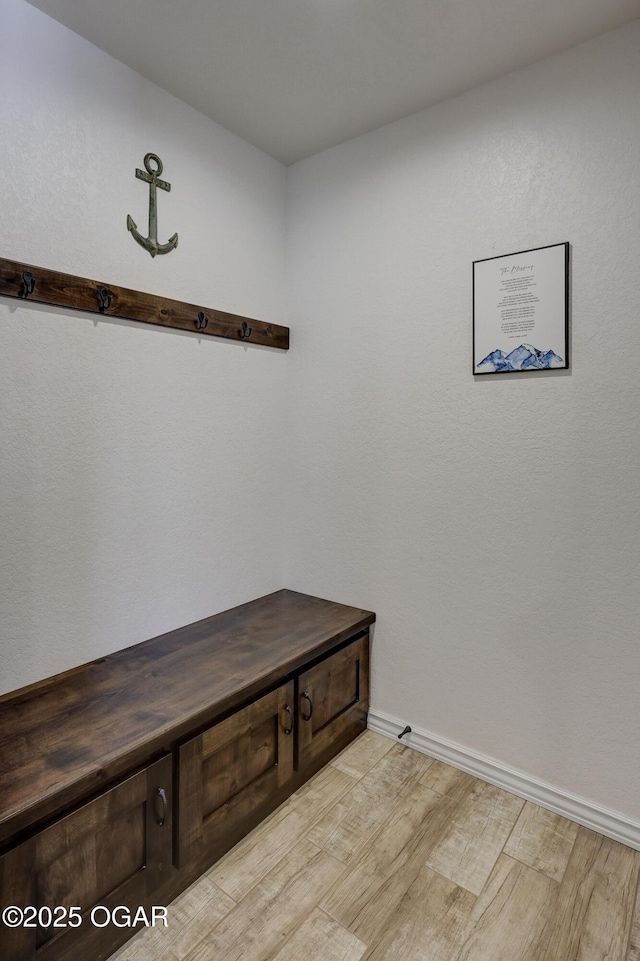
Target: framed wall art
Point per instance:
(521, 311)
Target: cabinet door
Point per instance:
(230, 775)
(333, 699)
(115, 850)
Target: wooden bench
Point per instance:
(122, 780)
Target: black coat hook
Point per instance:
(29, 282)
(202, 322)
(246, 330)
(104, 296)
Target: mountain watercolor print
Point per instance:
(524, 357)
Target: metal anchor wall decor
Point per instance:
(151, 177)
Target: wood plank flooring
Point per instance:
(387, 855)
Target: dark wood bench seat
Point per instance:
(180, 704)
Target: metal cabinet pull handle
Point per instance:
(288, 730)
(306, 717)
(165, 806)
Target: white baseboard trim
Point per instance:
(599, 819)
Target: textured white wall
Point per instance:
(141, 469)
(493, 524)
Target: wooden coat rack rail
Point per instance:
(65, 290)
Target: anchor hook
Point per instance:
(29, 282)
(202, 322)
(246, 330)
(104, 296)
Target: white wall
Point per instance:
(141, 468)
(492, 523)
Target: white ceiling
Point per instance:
(294, 77)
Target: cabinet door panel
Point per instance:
(17, 887)
(231, 772)
(110, 851)
(233, 767)
(333, 698)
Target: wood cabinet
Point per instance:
(228, 717)
(229, 774)
(333, 697)
(114, 850)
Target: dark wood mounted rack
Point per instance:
(26, 282)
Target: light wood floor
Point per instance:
(391, 856)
